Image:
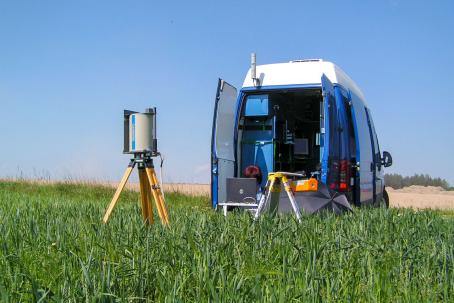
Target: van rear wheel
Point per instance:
(385, 201)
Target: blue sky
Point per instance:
(69, 68)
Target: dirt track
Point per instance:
(421, 197)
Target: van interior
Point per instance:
(280, 131)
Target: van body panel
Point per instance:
(301, 72)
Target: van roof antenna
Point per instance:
(255, 80)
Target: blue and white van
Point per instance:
(305, 116)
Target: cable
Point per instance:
(160, 174)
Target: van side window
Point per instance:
(377, 146)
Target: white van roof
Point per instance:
(298, 72)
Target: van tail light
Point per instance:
(339, 175)
(344, 175)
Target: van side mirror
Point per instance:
(387, 159)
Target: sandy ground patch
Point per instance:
(419, 197)
(192, 189)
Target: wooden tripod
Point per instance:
(149, 186)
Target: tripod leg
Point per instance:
(288, 189)
(118, 192)
(150, 173)
(143, 182)
(149, 202)
(265, 197)
(160, 196)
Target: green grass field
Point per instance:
(53, 247)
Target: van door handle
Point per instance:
(214, 167)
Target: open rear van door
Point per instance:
(222, 141)
(364, 160)
(330, 143)
(355, 155)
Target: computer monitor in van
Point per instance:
(301, 147)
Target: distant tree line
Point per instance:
(397, 181)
